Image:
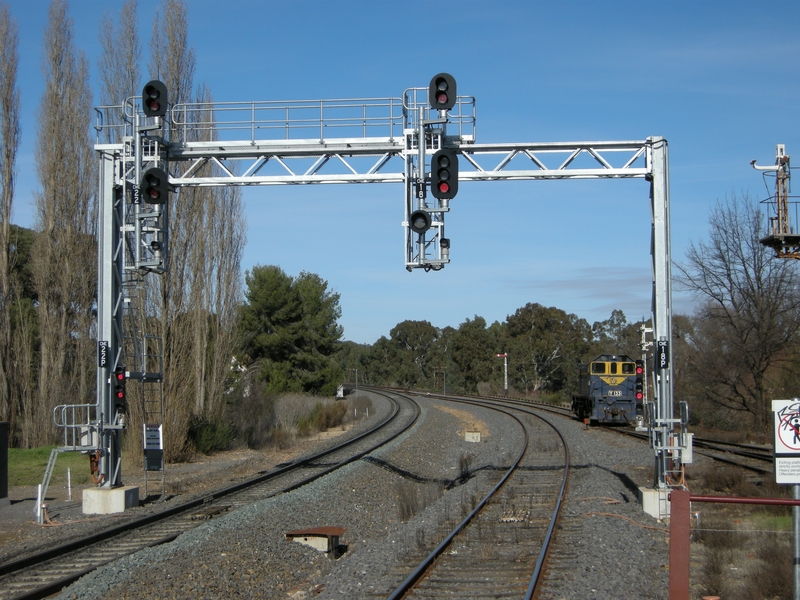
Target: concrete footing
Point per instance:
(655, 502)
(106, 501)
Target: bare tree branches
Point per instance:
(202, 287)
(9, 143)
(120, 75)
(64, 253)
(748, 323)
(172, 58)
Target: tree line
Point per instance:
(739, 350)
(48, 275)
(543, 346)
(232, 343)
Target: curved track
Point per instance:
(502, 543)
(45, 573)
(746, 456)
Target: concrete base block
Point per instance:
(106, 501)
(655, 502)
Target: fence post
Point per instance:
(679, 526)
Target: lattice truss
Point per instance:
(383, 140)
(383, 162)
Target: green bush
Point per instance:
(325, 416)
(304, 426)
(207, 435)
(251, 411)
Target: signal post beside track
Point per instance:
(426, 138)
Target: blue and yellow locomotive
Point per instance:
(610, 389)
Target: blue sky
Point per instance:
(719, 79)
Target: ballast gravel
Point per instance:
(393, 505)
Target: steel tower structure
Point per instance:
(367, 140)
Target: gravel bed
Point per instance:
(611, 549)
(606, 547)
(20, 535)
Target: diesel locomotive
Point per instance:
(610, 389)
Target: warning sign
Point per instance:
(786, 440)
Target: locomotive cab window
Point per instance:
(628, 368)
(599, 367)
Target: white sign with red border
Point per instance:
(786, 440)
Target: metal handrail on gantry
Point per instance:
(383, 140)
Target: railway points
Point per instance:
(158, 153)
(46, 572)
(363, 498)
(424, 139)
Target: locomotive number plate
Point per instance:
(615, 392)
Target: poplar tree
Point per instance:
(120, 73)
(64, 256)
(196, 298)
(9, 143)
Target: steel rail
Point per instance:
(424, 566)
(539, 566)
(710, 446)
(12, 567)
(417, 574)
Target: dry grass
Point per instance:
(742, 563)
(729, 480)
(413, 497)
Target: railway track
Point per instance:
(502, 542)
(45, 573)
(751, 457)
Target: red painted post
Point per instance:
(679, 525)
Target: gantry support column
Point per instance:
(662, 306)
(110, 305)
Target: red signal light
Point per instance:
(639, 383)
(155, 184)
(154, 99)
(444, 174)
(442, 92)
(119, 387)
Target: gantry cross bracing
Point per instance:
(242, 163)
(374, 140)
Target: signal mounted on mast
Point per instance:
(442, 92)
(444, 174)
(154, 99)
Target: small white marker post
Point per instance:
(38, 510)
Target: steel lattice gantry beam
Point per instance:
(190, 141)
(647, 159)
(241, 163)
